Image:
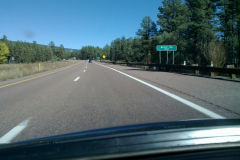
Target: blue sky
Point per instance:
(74, 23)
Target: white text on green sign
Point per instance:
(166, 48)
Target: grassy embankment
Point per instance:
(11, 71)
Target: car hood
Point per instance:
(161, 137)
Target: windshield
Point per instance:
(77, 65)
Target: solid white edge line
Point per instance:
(14, 132)
(184, 101)
(76, 79)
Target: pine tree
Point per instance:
(229, 27)
(174, 18)
(106, 50)
(60, 51)
(200, 29)
(145, 34)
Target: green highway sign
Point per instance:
(166, 48)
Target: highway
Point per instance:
(87, 96)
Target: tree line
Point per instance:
(24, 52)
(205, 32)
(90, 52)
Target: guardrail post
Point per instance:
(213, 74)
(234, 76)
(146, 67)
(197, 72)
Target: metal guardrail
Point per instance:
(203, 70)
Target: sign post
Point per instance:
(167, 58)
(173, 57)
(166, 48)
(160, 61)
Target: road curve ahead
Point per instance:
(96, 95)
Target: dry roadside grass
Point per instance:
(11, 71)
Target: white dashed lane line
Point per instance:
(14, 132)
(76, 79)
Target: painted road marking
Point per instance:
(184, 101)
(85, 67)
(14, 132)
(39, 76)
(76, 79)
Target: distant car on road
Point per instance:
(90, 61)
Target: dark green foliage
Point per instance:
(24, 52)
(59, 52)
(199, 28)
(91, 52)
(195, 26)
(229, 28)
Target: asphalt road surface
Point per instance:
(87, 96)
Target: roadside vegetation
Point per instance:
(205, 32)
(19, 59)
(11, 71)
